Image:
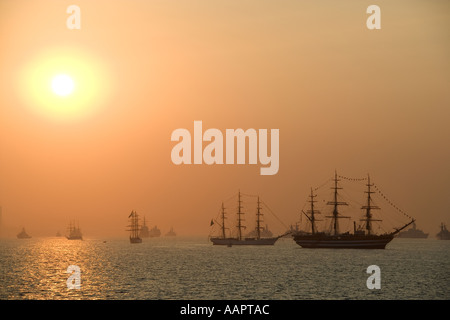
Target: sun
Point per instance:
(62, 85)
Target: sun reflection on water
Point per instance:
(194, 269)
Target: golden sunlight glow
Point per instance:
(64, 84)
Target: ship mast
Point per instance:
(258, 220)
(223, 221)
(312, 212)
(335, 204)
(368, 217)
(134, 225)
(239, 213)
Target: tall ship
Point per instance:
(240, 239)
(444, 234)
(133, 227)
(413, 232)
(23, 235)
(171, 233)
(74, 232)
(362, 237)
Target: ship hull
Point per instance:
(343, 242)
(135, 240)
(74, 238)
(413, 236)
(243, 242)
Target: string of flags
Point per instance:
(352, 179)
(390, 202)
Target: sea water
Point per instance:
(192, 268)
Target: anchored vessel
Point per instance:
(134, 227)
(413, 233)
(361, 238)
(23, 235)
(171, 233)
(154, 232)
(144, 232)
(264, 232)
(444, 234)
(74, 232)
(240, 239)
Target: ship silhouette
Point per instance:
(413, 232)
(361, 238)
(154, 232)
(144, 232)
(444, 234)
(74, 232)
(133, 227)
(171, 233)
(23, 235)
(256, 238)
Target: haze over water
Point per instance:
(192, 268)
(343, 97)
(87, 115)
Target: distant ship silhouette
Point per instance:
(145, 232)
(444, 234)
(413, 233)
(74, 232)
(23, 235)
(255, 238)
(154, 232)
(134, 227)
(171, 233)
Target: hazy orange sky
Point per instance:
(343, 97)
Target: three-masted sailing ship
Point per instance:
(134, 227)
(240, 239)
(361, 238)
(74, 232)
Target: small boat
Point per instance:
(23, 235)
(134, 228)
(444, 234)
